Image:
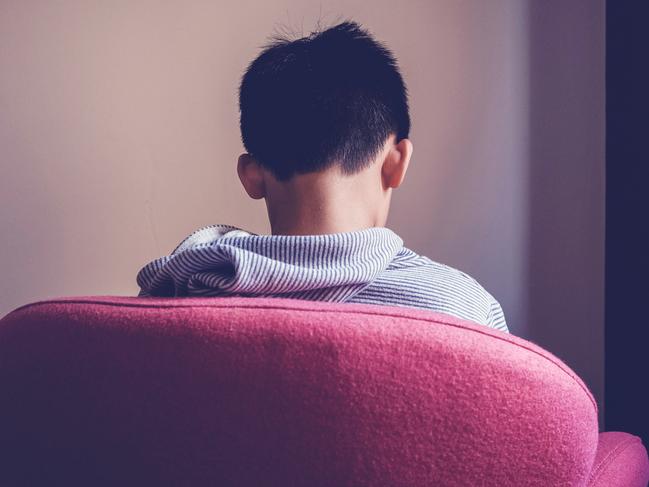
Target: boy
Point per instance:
(325, 123)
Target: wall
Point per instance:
(566, 185)
(118, 136)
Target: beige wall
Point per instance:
(119, 135)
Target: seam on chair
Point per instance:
(610, 456)
(305, 307)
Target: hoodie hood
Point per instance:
(222, 260)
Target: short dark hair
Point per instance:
(337, 94)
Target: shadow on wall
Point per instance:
(566, 222)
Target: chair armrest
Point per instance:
(621, 461)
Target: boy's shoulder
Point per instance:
(443, 288)
(408, 261)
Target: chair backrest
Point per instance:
(234, 391)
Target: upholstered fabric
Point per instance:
(270, 392)
(621, 460)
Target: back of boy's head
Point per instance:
(333, 97)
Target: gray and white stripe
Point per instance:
(366, 266)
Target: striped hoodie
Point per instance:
(366, 266)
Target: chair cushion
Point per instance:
(234, 391)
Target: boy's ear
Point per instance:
(396, 164)
(251, 176)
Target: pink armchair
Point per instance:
(269, 392)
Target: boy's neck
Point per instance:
(324, 204)
(318, 226)
(319, 218)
